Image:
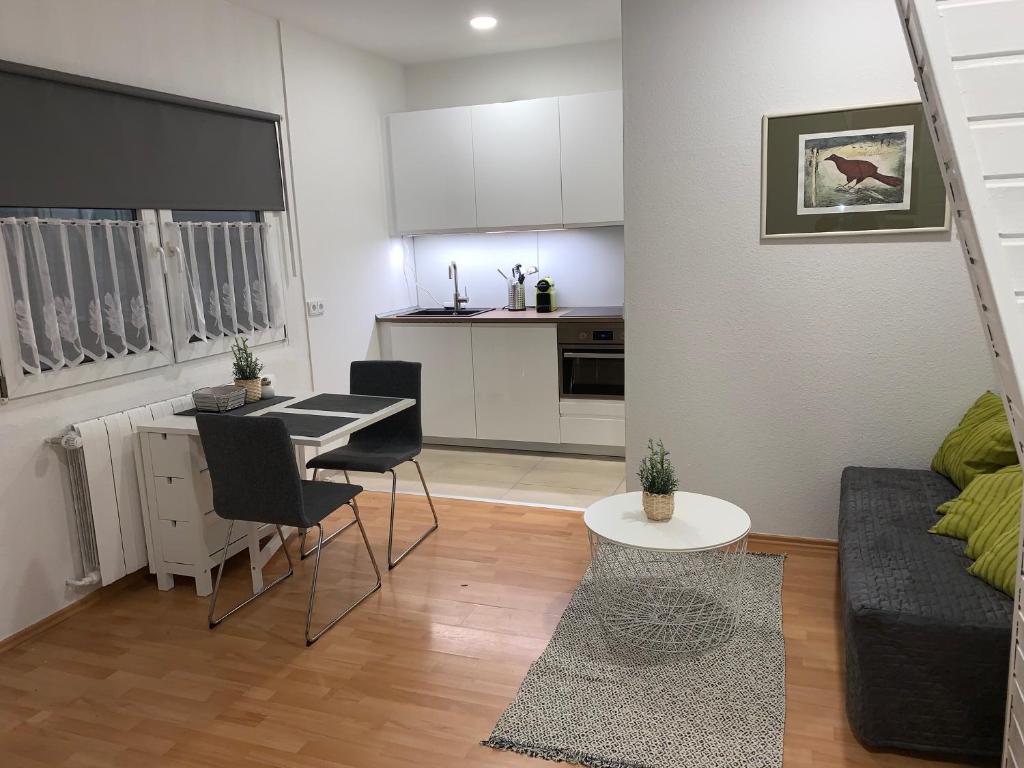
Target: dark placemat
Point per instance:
(243, 410)
(306, 424)
(345, 403)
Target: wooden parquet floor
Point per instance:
(416, 676)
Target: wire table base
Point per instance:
(668, 601)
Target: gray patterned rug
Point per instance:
(587, 701)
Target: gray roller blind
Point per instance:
(74, 142)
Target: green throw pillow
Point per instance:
(972, 508)
(1005, 517)
(982, 443)
(998, 566)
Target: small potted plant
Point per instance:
(658, 480)
(247, 369)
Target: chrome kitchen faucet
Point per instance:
(459, 299)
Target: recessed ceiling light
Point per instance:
(483, 22)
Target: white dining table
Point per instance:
(180, 424)
(184, 536)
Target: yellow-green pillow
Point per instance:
(1005, 517)
(998, 566)
(972, 508)
(980, 444)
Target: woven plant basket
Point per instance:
(253, 389)
(659, 506)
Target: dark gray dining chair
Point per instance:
(381, 447)
(255, 480)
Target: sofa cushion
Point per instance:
(980, 499)
(1005, 517)
(927, 645)
(980, 444)
(998, 565)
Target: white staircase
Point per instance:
(969, 56)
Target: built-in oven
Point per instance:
(592, 360)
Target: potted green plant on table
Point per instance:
(658, 481)
(247, 369)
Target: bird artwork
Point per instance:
(857, 171)
(850, 171)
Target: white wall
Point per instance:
(768, 367)
(208, 49)
(586, 264)
(336, 98)
(560, 71)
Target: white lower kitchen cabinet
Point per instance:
(593, 422)
(515, 375)
(446, 351)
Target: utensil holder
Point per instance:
(516, 296)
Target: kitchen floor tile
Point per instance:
(541, 494)
(534, 478)
(603, 479)
(435, 455)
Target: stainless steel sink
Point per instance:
(447, 312)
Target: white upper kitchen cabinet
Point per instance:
(518, 174)
(446, 352)
(515, 371)
(591, 140)
(432, 170)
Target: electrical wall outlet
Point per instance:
(315, 307)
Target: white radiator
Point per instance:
(105, 470)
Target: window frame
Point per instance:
(21, 384)
(174, 273)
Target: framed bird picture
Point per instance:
(856, 171)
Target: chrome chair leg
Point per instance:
(220, 573)
(355, 504)
(393, 561)
(302, 541)
(310, 639)
(303, 552)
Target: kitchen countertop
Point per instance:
(497, 316)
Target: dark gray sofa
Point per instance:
(927, 644)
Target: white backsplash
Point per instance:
(587, 265)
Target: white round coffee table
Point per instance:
(672, 586)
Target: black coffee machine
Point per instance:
(546, 295)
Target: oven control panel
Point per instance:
(591, 333)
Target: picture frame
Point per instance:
(863, 170)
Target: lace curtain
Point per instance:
(79, 288)
(229, 285)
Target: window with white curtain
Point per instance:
(95, 293)
(224, 279)
(83, 296)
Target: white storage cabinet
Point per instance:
(515, 371)
(432, 179)
(593, 422)
(591, 155)
(186, 535)
(516, 155)
(446, 351)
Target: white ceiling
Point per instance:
(412, 31)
